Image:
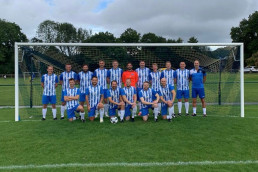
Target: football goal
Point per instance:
(223, 63)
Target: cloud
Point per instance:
(208, 20)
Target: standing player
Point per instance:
(103, 78)
(149, 99)
(130, 98)
(71, 96)
(49, 83)
(114, 95)
(143, 75)
(94, 98)
(84, 77)
(154, 78)
(130, 74)
(115, 73)
(167, 96)
(168, 73)
(181, 78)
(198, 78)
(64, 81)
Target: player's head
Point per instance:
(196, 63)
(129, 66)
(101, 63)
(85, 67)
(68, 67)
(94, 80)
(154, 66)
(71, 82)
(182, 65)
(114, 84)
(163, 82)
(142, 64)
(146, 85)
(128, 82)
(168, 64)
(50, 70)
(115, 64)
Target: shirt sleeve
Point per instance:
(108, 73)
(122, 93)
(108, 93)
(78, 92)
(171, 87)
(56, 79)
(162, 75)
(87, 91)
(65, 93)
(101, 91)
(140, 94)
(61, 77)
(42, 78)
(134, 91)
(175, 74)
(150, 78)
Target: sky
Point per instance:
(207, 20)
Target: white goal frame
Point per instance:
(17, 44)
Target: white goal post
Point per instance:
(17, 44)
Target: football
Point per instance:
(113, 120)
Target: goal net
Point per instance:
(223, 64)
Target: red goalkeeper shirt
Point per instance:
(132, 75)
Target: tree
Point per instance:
(102, 37)
(247, 32)
(9, 34)
(130, 36)
(192, 40)
(253, 60)
(47, 31)
(152, 38)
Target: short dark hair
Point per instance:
(114, 61)
(85, 65)
(129, 63)
(146, 82)
(113, 81)
(101, 60)
(168, 62)
(94, 77)
(71, 79)
(67, 64)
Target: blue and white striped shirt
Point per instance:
(166, 93)
(72, 92)
(143, 75)
(116, 75)
(129, 93)
(169, 75)
(94, 94)
(49, 84)
(102, 75)
(65, 76)
(85, 80)
(148, 96)
(155, 80)
(115, 96)
(182, 79)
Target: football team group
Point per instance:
(143, 89)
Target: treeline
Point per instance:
(52, 31)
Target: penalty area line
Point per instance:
(126, 164)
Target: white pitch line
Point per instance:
(125, 164)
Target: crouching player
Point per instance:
(94, 98)
(71, 97)
(167, 96)
(130, 98)
(149, 99)
(114, 95)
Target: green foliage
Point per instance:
(253, 61)
(102, 37)
(152, 38)
(247, 32)
(130, 36)
(192, 40)
(9, 34)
